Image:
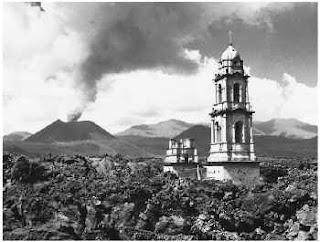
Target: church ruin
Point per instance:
(182, 158)
(231, 154)
(182, 151)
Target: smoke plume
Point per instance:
(74, 116)
(139, 36)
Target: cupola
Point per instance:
(229, 54)
(230, 60)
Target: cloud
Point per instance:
(191, 108)
(190, 98)
(76, 53)
(130, 36)
(31, 55)
(287, 85)
(165, 95)
(148, 112)
(285, 98)
(117, 37)
(251, 13)
(149, 96)
(152, 35)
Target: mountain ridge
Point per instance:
(168, 129)
(89, 138)
(17, 136)
(265, 145)
(290, 128)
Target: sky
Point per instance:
(123, 64)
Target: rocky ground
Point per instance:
(76, 198)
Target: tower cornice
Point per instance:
(215, 113)
(236, 74)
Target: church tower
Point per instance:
(231, 155)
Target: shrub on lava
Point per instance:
(27, 171)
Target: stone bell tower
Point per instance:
(231, 155)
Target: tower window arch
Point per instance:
(237, 63)
(218, 130)
(238, 131)
(236, 92)
(219, 93)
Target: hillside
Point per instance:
(60, 131)
(17, 136)
(86, 147)
(290, 128)
(168, 129)
(277, 146)
(156, 146)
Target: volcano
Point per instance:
(83, 137)
(60, 131)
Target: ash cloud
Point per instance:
(131, 36)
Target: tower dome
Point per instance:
(230, 53)
(230, 60)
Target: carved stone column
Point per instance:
(231, 93)
(212, 131)
(233, 133)
(244, 128)
(251, 130)
(216, 93)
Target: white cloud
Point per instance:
(38, 68)
(285, 98)
(152, 96)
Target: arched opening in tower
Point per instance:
(219, 93)
(238, 132)
(218, 129)
(236, 92)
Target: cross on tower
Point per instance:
(230, 37)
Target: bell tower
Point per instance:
(231, 146)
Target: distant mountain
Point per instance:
(154, 145)
(83, 137)
(277, 137)
(272, 138)
(168, 129)
(201, 135)
(290, 128)
(60, 131)
(264, 145)
(17, 136)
